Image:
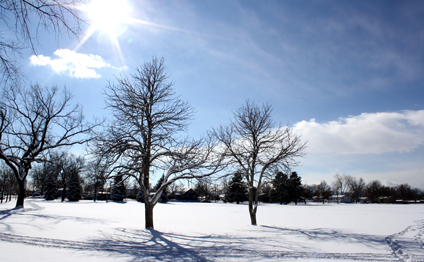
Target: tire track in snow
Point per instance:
(141, 250)
(408, 245)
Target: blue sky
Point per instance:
(348, 75)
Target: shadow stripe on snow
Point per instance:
(201, 253)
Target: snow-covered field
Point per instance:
(87, 231)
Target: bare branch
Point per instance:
(145, 135)
(34, 121)
(255, 145)
(25, 18)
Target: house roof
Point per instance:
(337, 196)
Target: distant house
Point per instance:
(189, 195)
(363, 200)
(340, 199)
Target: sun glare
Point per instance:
(108, 15)
(111, 18)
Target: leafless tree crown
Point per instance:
(24, 19)
(35, 120)
(36, 117)
(145, 134)
(255, 146)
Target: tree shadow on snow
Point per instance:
(152, 245)
(52, 219)
(147, 245)
(325, 234)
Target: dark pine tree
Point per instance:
(74, 186)
(294, 187)
(140, 196)
(237, 190)
(119, 191)
(279, 192)
(202, 189)
(50, 189)
(165, 193)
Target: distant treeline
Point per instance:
(54, 179)
(345, 188)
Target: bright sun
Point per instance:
(108, 15)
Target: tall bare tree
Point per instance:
(341, 184)
(8, 184)
(357, 187)
(145, 135)
(34, 121)
(323, 191)
(257, 147)
(97, 174)
(22, 21)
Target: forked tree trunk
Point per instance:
(148, 208)
(252, 211)
(252, 217)
(21, 193)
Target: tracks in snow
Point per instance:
(408, 245)
(174, 252)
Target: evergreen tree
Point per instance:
(119, 191)
(140, 196)
(279, 192)
(50, 189)
(202, 189)
(294, 187)
(74, 186)
(237, 190)
(165, 193)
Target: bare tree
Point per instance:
(23, 20)
(357, 187)
(34, 121)
(341, 184)
(257, 147)
(144, 137)
(8, 184)
(373, 190)
(323, 191)
(98, 169)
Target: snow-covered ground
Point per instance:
(87, 231)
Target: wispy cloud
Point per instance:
(71, 63)
(368, 133)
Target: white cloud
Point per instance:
(71, 63)
(368, 133)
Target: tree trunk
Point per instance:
(148, 215)
(95, 192)
(64, 193)
(21, 194)
(252, 217)
(252, 211)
